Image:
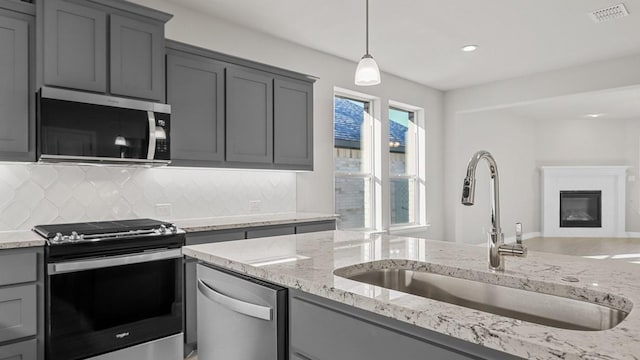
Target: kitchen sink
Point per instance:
(535, 307)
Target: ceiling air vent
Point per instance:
(610, 13)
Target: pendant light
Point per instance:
(367, 72)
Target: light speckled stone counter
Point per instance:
(307, 262)
(246, 221)
(20, 239)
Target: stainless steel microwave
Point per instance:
(81, 127)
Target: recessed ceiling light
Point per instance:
(594, 115)
(469, 48)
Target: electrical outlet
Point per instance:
(255, 206)
(163, 210)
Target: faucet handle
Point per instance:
(519, 233)
(516, 249)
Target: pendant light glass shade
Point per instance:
(367, 72)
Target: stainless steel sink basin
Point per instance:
(544, 309)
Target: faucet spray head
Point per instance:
(468, 190)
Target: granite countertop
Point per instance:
(307, 262)
(244, 221)
(20, 239)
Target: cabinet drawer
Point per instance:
(276, 231)
(214, 236)
(17, 268)
(18, 311)
(323, 333)
(315, 227)
(25, 350)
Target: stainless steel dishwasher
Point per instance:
(239, 317)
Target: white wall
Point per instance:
(609, 74)
(521, 146)
(315, 189)
(512, 143)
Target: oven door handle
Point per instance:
(73, 266)
(239, 306)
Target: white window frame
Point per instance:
(420, 204)
(372, 117)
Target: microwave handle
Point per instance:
(151, 153)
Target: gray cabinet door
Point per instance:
(137, 61)
(195, 90)
(15, 89)
(75, 46)
(25, 350)
(18, 311)
(293, 123)
(249, 116)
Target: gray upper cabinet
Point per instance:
(232, 112)
(249, 116)
(293, 124)
(106, 46)
(195, 90)
(75, 46)
(16, 107)
(137, 61)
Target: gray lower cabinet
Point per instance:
(293, 123)
(195, 90)
(26, 350)
(320, 329)
(105, 46)
(75, 46)
(18, 309)
(271, 231)
(22, 304)
(249, 100)
(17, 120)
(315, 227)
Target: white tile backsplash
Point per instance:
(32, 194)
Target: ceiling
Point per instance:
(420, 40)
(616, 104)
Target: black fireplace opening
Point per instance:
(581, 209)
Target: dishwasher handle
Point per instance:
(242, 307)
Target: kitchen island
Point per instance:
(307, 262)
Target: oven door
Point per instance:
(95, 306)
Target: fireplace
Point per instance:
(583, 201)
(580, 209)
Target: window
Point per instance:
(403, 167)
(353, 163)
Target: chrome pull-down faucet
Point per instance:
(497, 248)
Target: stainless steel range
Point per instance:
(114, 290)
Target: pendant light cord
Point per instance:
(367, 26)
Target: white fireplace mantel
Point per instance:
(611, 180)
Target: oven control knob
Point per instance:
(74, 236)
(173, 229)
(57, 239)
(163, 229)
